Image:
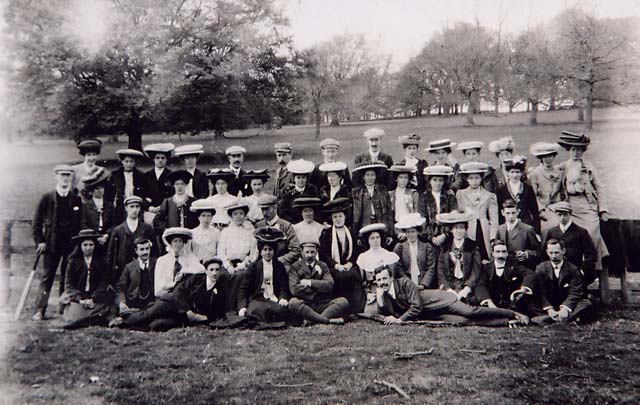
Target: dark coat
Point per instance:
(46, 227)
(240, 184)
(169, 215)
(407, 305)
(200, 185)
(471, 264)
(320, 178)
(90, 218)
(190, 294)
(343, 192)
(281, 178)
(321, 284)
(286, 198)
(158, 188)
(527, 203)
(139, 189)
(522, 237)
(76, 279)
(427, 209)
(362, 207)
(122, 246)
(567, 290)
(499, 289)
(426, 262)
(253, 278)
(129, 283)
(580, 249)
(324, 252)
(290, 250)
(346, 281)
(421, 180)
(366, 158)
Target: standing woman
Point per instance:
(90, 151)
(440, 151)
(580, 185)
(471, 151)
(545, 180)
(436, 200)
(411, 143)
(503, 148)
(371, 202)
(520, 192)
(334, 173)
(484, 226)
(175, 210)
(219, 180)
(257, 180)
(301, 187)
(404, 200)
(198, 186)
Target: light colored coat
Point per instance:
(485, 209)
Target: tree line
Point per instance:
(187, 66)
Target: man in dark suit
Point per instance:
(239, 185)
(128, 181)
(505, 284)
(580, 249)
(562, 293)
(158, 185)
(135, 286)
(198, 187)
(264, 292)
(374, 154)
(282, 176)
(56, 221)
(417, 258)
(521, 239)
(329, 148)
(311, 285)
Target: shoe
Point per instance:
(522, 319)
(336, 321)
(38, 316)
(115, 322)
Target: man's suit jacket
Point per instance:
(281, 178)
(321, 283)
(122, 246)
(191, 294)
(292, 248)
(139, 189)
(567, 290)
(45, 226)
(240, 184)
(427, 209)
(253, 278)
(426, 262)
(286, 198)
(407, 304)
(421, 180)
(522, 237)
(580, 249)
(129, 283)
(158, 188)
(200, 185)
(362, 207)
(90, 218)
(526, 201)
(499, 288)
(471, 264)
(76, 278)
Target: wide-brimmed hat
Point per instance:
(569, 139)
(440, 144)
(86, 234)
(438, 170)
(122, 153)
(540, 149)
(372, 228)
(170, 233)
(203, 204)
(516, 162)
(455, 217)
(411, 139)
(89, 145)
(378, 166)
(132, 200)
(340, 204)
(306, 202)
(283, 147)
(561, 206)
(397, 170)
(267, 200)
(501, 144)
(262, 174)
(329, 143)
(176, 175)
(214, 259)
(238, 204)
(189, 150)
(300, 166)
(165, 148)
(473, 168)
(462, 146)
(99, 176)
(373, 133)
(409, 221)
(235, 149)
(217, 174)
(337, 167)
(269, 235)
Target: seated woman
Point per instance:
(85, 300)
(205, 237)
(178, 261)
(301, 170)
(264, 293)
(257, 180)
(219, 180)
(404, 200)
(459, 265)
(371, 202)
(338, 250)
(308, 228)
(335, 188)
(417, 258)
(436, 200)
(373, 256)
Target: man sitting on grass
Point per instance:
(135, 287)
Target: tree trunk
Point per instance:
(439, 110)
(528, 107)
(318, 119)
(511, 105)
(496, 100)
(134, 133)
(114, 138)
(580, 114)
(335, 119)
(552, 103)
(533, 116)
(455, 109)
(470, 111)
(588, 110)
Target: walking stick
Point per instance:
(25, 291)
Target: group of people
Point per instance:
(421, 239)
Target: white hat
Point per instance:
(300, 166)
(539, 149)
(470, 145)
(154, 148)
(185, 150)
(371, 228)
(333, 167)
(473, 167)
(232, 150)
(501, 144)
(438, 170)
(203, 204)
(64, 169)
(373, 133)
(440, 144)
(409, 221)
(455, 217)
(129, 152)
(176, 231)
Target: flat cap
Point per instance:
(373, 133)
(329, 143)
(561, 206)
(89, 145)
(134, 199)
(470, 145)
(283, 147)
(63, 169)
(235, 149)
(267, 200)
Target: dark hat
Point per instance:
(257, 174)
(340, 204)
(214, 259)
(440, 144)
(86, 234)
(569, 139)
(306, 202)
(399, 169)
(411, 139)
(89, 145)
(509, 204)
(217, 174)
(268, 234)
(96, 178)
(141, 239)
(176, 175)
(283, 147)
(517, 162)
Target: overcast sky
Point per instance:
(401, 27)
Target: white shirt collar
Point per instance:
(392, 290)
(458, 244)
(63, 192)
(557, 268)
(210, 285)
(510, 227)
(499, 269)
(99, 202)
(88, 260)
(142, 264)
(132, 224)
(564, 228)
(273, 221)
(158, 172)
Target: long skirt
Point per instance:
(588, 218)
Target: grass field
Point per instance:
(560, 364)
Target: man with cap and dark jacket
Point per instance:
(135, 286)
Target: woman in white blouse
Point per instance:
(220, 178)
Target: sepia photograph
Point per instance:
(319, 202)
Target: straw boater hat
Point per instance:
(269, 235)
(409, 221)
(569, 139)
(516, 162)
(501, 144)
(440, 144)
(257, 174)
(234, 150)
(336, 167)
(171, 233)
(189, 150)
(176, 175)
(89, 145)
(561, 206)
(165, 148)
(123, 153)
(86, 234)
(100, 176)
(399, 169)
(379, 167)
(473, 168)
(329, 143)
(307, 202)
(462, 146)
(438, 170)
(300, 166)
(267, 200)
(217, 174)
(411, 139)
(283, 147)
(540, 149)
(238, 204)
(373, 133)
(134, 199)
(340, 204)
(201, 205)
(366, 230)
(455, 217)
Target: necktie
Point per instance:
(176, 267)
